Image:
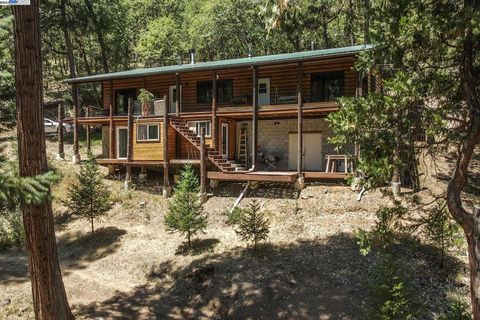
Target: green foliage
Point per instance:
(458, 310)
(145, 95)
(89, 198)
(386, 230)
(441, 230)
(253, 225)
(233, 217)
(185, 211)
(7, 81)
(12, 233)
(389, 293)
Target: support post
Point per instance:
(178, 96)
(111, 137)
(76, 153)
(89, 143)
(214, 114)
(300, 178)
(167, 190)
(254, 119)
(61, 152)
(128, 171)
(203, 168)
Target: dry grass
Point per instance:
(310, 268)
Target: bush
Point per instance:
(389, 296)
(253, 225)
(89, 197)
(458, 310)
(185, 211)
(12, 233)
(234, 216)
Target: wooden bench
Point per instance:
(333, 162)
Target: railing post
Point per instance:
(254, 119)
(61, 152)
(203, 168)
(300, 178)
(214, 114)
(89, 144)
(128, 171)
(177, 94)
(76, 154)
(167, 190)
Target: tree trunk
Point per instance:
(350, 23)
(49, 297)
(93, 230)
(68, 42)
(101, 40)
(469, 222)
(366, 22)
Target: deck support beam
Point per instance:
(254, 118)
(177, 94)
(167, 190)
(300, 179)
(61, 151)
(203, 168)
(89, 142)
(128, 171)
(111, 136)
(76, 153)
(214, 114)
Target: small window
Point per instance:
(327, 86)
(196, 126)
(148, 132)
(262, 88)
(224, 91)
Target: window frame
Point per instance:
(148, 125)
(325, 78)
(194, 126)
(208, 84)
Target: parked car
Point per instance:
(51, 126)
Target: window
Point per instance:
(205, 91)
(196, 126)
(148, 132)
(121, 100)
(327, 86)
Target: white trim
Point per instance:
(148, 125)
(225, 125)
(192, 125)
(118, 141)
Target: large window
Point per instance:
(196, 126)
(148, 132)
(327, 86)
(205, 91)
(121, 100)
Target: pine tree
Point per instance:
(254, 226)
(89, 197)
(185, 212)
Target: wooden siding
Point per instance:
(283, 82)
(147, 150)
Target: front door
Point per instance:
(172, 93)
(312, 151)
(122, 138)
(224, 140)
(263, 91)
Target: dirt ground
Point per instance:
(310, 267)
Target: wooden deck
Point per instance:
(274, 176)
(135, 163)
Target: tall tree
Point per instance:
(49, 296)
(99, 31)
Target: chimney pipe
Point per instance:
(250, 52)
(192, 56)
(312, 45)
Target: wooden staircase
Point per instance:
(217, 159)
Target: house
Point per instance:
(250, 109)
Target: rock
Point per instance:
(326, 191)
(142, 204)
(5, 302)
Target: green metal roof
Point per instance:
(223, 64)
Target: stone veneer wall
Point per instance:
(273, 137)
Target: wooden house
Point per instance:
(250, 109)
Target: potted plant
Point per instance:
(146, 97)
